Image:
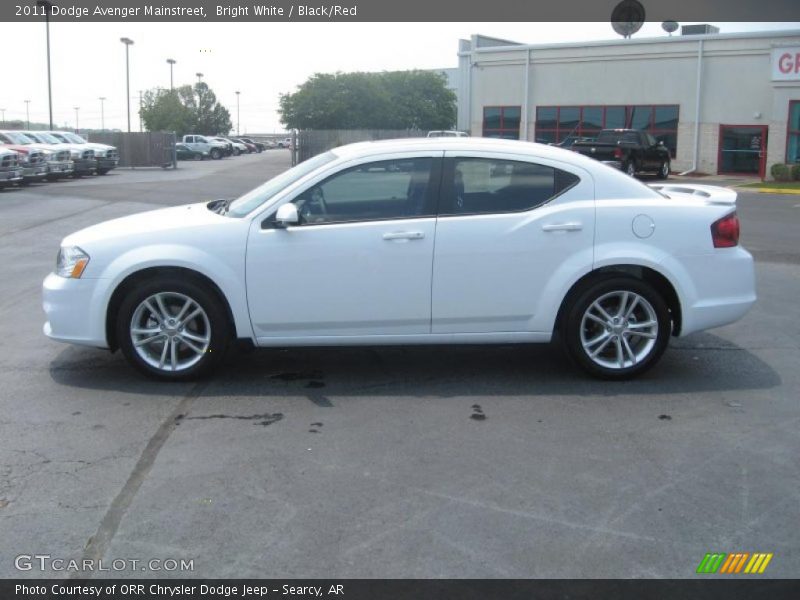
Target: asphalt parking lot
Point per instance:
(392, 462)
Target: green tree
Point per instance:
(389, 100)
(185, 109)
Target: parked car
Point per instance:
(57, 158)
(285, 143)
(208, 146)
(32, 160)
(83, 159)
(260, 146)
(10, 169)
(249, 146)
(361, 245)
(235, 148)
(432, 134)
(106, 157)
(184, 152)
(630, 150)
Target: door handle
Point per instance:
(403, 235)
(574, 226)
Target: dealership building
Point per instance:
(722, 103)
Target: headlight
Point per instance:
(71, 262)
(100, 153)
(75, 153)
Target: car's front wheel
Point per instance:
(663, 171)
(617, 328)
(216, 154)
(173, 330)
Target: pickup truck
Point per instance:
(206, 146)
(629, 150)
(10, 169)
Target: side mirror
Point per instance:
(286, 216)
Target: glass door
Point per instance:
(742, 150)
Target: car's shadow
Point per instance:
(698, 363)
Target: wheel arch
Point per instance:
(643, 273)
(132, 279)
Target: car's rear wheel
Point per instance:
(630, 168)
(173, 330)
(617, 328)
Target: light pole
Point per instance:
(102, 114)
(47, 5)
(3, 110)
(171, 62)
(77, 122)
(237, 113)
(199, 77)
(28, 113)
(141, 127)
(128, 43)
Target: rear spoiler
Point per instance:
(710, 193)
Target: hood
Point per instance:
(151, 224)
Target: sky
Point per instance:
(261, 60)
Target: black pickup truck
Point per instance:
(629, 150)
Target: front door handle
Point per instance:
(574, 226)
(403, 235)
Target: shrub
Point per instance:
(796, 172)
(780, 172)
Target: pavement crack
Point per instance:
(98, 544)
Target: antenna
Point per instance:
(670, 26)
(627, 17)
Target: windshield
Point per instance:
(75, 138)
(45, 138)
(18, 138)
(255, 198)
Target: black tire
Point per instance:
(579, 330)
(663, 170)
(236, 152)
(216, 154)
(216, 328)
(630, 168)
(102, 171)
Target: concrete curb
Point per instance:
(768, 190)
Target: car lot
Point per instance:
(392, 462)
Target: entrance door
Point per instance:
(742, 150)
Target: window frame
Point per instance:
(559, 134)
(446, 192)
(502, 129)
(432, 192)
(791, 132)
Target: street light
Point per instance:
(3, 111)
(77, 122)
(128, 43)
(237, 113)
(28, 113)
(199, 77)
(47, 6)
(102, 114)
(171, 62)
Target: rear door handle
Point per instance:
(403, 235)
(574, 226)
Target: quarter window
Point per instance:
(391, 189)
(483, 185)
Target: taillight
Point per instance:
(725, 231)
(617, 152)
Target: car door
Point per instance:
(512, 231)
(358, 263)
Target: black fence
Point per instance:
(149, 149)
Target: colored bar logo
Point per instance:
(734, 563)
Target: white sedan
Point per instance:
(418, 241)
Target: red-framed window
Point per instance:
(793, 133)
(502, 121)
(555, 124)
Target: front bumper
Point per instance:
(62, 167)
(107, 163)
(74, 310)
(35, 172)
(10, 176)
(84, 165)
